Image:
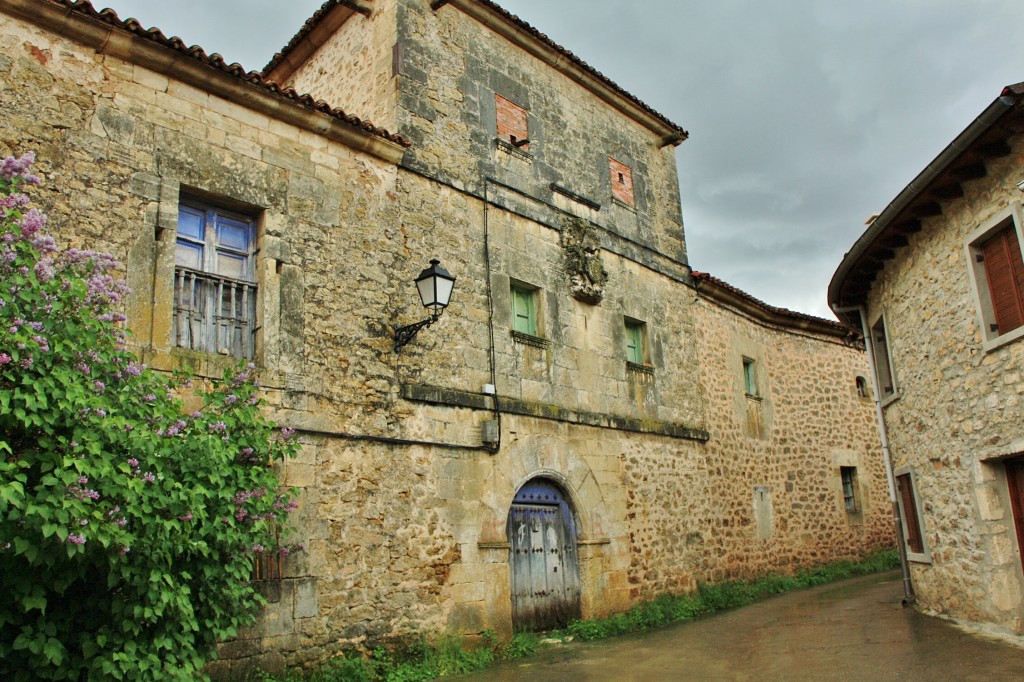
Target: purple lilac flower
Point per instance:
(4, 358)
(148, 477)
(76, 539)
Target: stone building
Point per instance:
(588, 425)
(936, 282)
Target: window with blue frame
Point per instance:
(215, 280)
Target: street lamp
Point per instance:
(435, 286)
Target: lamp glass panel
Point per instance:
(428, 295)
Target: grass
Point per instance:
(425, 659)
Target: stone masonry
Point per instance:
(674, 474)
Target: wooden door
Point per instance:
(543, 563)
(1015, 482)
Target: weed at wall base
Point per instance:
(425, 659)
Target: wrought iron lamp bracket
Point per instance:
(403, 335)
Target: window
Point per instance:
(635, 345)
(998, 274)
(848, 475)
(749, 377)
(511, 121)
(622, 181)
(524, 310)
(883, 365)
(917, 550)
(214, 281)
(862, 387)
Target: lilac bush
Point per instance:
(128, 528)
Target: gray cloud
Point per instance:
(805, 116)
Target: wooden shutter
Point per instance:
(906, 490)
(1005, 273)
(523, 318)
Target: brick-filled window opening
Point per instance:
(622, 181)
(215, 281)
(512, 123)
(1000, 257)
(749, 377)
(848, 476)
(911, 519)
(524, 310)
(635, 342)
(883, 362)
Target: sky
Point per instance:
(805, 116)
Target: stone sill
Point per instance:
(530, 340)
(623, 205)
(509, 148)
(640, 369)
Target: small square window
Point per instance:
(622, 181)
(848, 475)
(512, 123)
(524, 310)
(635, 342)
(215, 280)
(749, 377)
(998, 274)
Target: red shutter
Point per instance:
(1005, 273)
(906, 490)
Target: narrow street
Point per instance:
(851, 630)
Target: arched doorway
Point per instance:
(544, 566)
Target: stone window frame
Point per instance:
(907, 473)
(850, 488)
(1011, 217)
(862, 386)
(885, 372)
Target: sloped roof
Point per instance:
(84, 8)
(505, 16)
(962, 160)
(783, 317)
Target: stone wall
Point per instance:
(353, 67)
(814, 422)
(453, 68)
(959, 407)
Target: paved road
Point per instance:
(851, 630)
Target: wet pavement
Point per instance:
(850, 630)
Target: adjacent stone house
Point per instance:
(588, 425)
(936, 283)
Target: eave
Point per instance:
(964, 160)
(105, 33)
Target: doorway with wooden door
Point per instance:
(543, 562)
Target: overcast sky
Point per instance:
(805, 116)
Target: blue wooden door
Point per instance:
(544, 567)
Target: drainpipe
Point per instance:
(883, 435)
